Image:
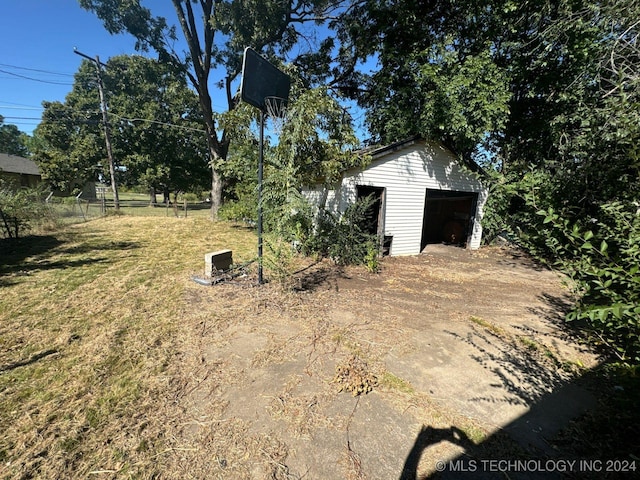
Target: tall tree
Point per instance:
(434, 78)
(158, 132)
(69, 147)
(215, 36)
(156, 129)
(12, 140)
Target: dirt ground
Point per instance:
(447, 355)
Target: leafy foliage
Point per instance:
(453, 99)
(12, 140)
(20, 209)
(154, 121)
(345, 238)
(603, 262)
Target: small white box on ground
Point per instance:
(217, 261)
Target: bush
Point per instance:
(21, 209)
(242, 210)
(343, 238)
(603, 262)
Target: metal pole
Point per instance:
(105, 122)
(260, 169)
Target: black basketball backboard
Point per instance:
(261, 79)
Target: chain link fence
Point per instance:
(82, 209)
(24, 210)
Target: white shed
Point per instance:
(423, 196)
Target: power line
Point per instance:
(119, 117)
(36, 70)
(22, 118)
(19, 104)
(173, 125)
(20, 108)
(35, 79)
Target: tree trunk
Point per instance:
(152, 197)
(216, 193)
(165, 195)
(216, 184)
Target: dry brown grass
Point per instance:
(89, 319)
(355, 376)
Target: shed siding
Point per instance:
(406, 174)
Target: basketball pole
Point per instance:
(260, 169)
(262, 80)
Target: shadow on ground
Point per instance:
(314, 277)
(601, 443)
(24, 255)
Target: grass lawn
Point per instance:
(115, 365)
(89, 321)
(132, 204)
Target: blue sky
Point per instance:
(37, 61)
(38, 41)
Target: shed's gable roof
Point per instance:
(380, 152)
(16, 164)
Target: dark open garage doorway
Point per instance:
(375, 214)
(448, 217)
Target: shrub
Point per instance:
(603, 262)
(244, 210)
(21, 209)
(343, 238)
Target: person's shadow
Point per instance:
(431, 436)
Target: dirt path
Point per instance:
(451, 352)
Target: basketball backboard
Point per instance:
(261, 79)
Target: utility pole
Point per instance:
(105, 123)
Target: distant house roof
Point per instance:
(15, 164)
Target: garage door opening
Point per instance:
(448, 217)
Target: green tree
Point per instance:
(433, 79)
(12, 140)
(215, 37)
(69, 148)
(158, 134)
(155, 129)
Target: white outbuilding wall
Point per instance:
(406, 170)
